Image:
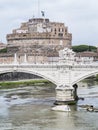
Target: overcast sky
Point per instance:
(81, 16)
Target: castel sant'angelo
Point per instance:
(37, 37)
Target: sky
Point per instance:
(81, 17)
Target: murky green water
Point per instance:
(29, 108)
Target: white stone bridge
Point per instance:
(64, 76)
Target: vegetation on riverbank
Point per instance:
(16, 84)
(92, 78)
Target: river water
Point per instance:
(29, 108)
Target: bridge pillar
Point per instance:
(65, 95)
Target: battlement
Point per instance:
(20, 36)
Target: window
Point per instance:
(55, 31)
(60, 34)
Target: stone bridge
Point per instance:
(64, 76)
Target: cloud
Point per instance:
(79, 15)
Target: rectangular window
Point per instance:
(60, 34)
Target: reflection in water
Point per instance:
(29, 108)
(3, 107)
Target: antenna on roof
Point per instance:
(38, 8)
(33, 15)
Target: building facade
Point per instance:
(38, 38)
(41, 33)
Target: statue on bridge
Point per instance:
(70, 57)
(66, 55)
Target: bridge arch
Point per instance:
(85, 76)
(30, 72)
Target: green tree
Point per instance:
(4, 50)
(81, 48)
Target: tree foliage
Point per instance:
(81, 48)
(4, 50)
